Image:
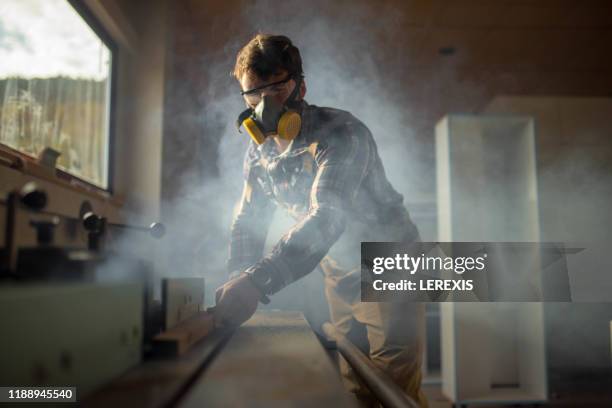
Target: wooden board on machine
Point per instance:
(182, 299)
(180, 338)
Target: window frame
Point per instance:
(63, 176)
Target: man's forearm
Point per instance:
(299, 251)
(245, 248)
(248, 237)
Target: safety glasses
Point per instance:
(253, 96)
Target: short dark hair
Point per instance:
(266, 55)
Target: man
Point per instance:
(322, 166)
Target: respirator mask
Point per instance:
(270, 117)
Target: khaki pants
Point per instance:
(389, 333)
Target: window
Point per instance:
(55, 77)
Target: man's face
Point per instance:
(280, 92)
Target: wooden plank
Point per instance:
(181, 338)
(274, 360)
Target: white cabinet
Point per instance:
(487, 192)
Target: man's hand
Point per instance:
(236, 301)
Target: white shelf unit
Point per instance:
(487, 192)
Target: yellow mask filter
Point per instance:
(253, 130)
(289, 125)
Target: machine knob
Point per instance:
(93, 222)
(32, 197)
(157, 230)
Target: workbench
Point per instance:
(273, 360)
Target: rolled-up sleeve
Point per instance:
(342, 162)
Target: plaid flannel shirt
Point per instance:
(329, 176)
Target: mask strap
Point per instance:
(291, 100)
